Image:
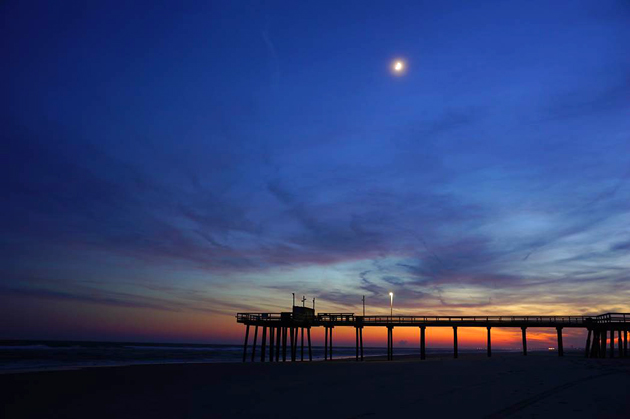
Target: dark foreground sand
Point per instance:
(506, 385)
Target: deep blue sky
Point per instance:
(166, 166)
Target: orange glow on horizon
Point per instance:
(442, 337)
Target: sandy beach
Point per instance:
(506, 385)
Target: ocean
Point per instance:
(16, 356)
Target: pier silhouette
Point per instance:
(600, 341)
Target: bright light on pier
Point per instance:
(391, 303)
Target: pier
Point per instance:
(602, 331)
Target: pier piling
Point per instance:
(263, 344)
(591, 349)
(595, 345)
(560, 347)
(254, 344)
(310, 352)
(361, 341)
(612, 343)
(245, 344)
(524, 333)
(293, 343)
(391, 351)
(454, 341)
(331, 344)
(423, 354)
(489, 343)
(390, 343)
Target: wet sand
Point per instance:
(473, 386)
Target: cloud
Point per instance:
(593, 100)
(620, 246)
(84, 298)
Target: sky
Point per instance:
(165, 166)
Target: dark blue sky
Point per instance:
(169, 165)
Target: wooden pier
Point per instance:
(600, 341)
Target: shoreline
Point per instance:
(370, 358)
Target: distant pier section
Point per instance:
(607, 334)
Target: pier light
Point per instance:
(391, 303)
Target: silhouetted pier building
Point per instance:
(601, 331)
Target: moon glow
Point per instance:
(398, 67)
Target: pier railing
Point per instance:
(350, 319)
(255, 317)
(612, 318)
(337, 317)
(482, 320)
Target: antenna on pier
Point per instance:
(293, 299)
(313, 304)
(303, 299)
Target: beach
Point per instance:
(506, 385)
